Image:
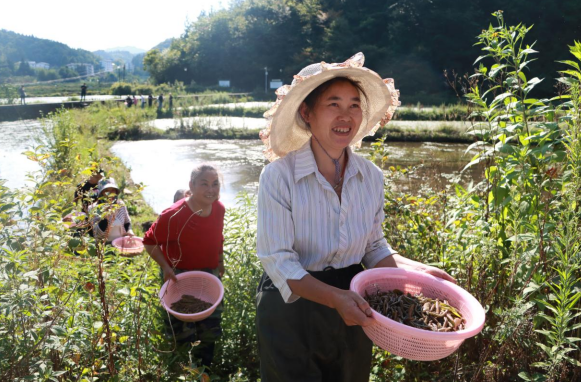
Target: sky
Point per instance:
(103, 24)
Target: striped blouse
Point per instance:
(303, 226)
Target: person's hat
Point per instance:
(285, 130)
(107, 184)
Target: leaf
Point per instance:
(124, 291)
(524, 64)
(570, 63)
(480, 58)
(501, 97)
(532, 83)
(528, 51)
(495, 69)
(568, 81)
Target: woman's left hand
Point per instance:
(438, 273)
(221, 269)
(130, 234)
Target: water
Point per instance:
(15, 138)
(64, 99)
(164, 165)
(211, 123)
(260, 123)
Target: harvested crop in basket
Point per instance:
(416, 311)
(189, 305)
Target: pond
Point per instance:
(164, 165)
(15, 138)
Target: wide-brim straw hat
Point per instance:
(285, 130)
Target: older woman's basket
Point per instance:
(201, 285)
(406, 341)
(128, 245)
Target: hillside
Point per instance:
(117, 55)
(16, 47)
(131, 49)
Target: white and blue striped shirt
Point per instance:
(302, 225)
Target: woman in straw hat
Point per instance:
(320, 210)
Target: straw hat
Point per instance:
(107, 184)
(285, 130)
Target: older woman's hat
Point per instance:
(285, 130)
(107, 184)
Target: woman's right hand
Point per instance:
(352, 308)
(168, 274)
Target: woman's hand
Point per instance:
(221, 269)
(438, 273)
(352, 308)
(168, 274)
(129, 233)
(398, 261)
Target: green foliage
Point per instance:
(8, 94)
(511, 240)
(410, 41)
(121, 88)
(16, 46)
(238, 352)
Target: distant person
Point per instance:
(135, 101)
(160, 102)
(170, 101)
(142, 101)
(180, 194)
(22, 96)
(129, 101)
(149, 100)
(83, 92)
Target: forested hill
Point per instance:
(413, 41)
(16, 47)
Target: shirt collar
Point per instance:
(305, 163)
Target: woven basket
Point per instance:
(406, 341)
(202, 285)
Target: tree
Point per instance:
(24, 69)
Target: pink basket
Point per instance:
(128, 245)
(406, 341)
(202, 285)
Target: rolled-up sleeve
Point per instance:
(377, 247)
(275, 235)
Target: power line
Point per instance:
(63, 79)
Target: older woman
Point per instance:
(111, 218)
(188, 236)
(320, 211)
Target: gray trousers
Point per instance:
(305, 341)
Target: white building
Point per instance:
(82, 69)
(38, 65)
(107, 65)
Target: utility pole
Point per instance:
(265, 79)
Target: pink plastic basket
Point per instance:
(128, 245)
(202, 285)
(406, 341)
